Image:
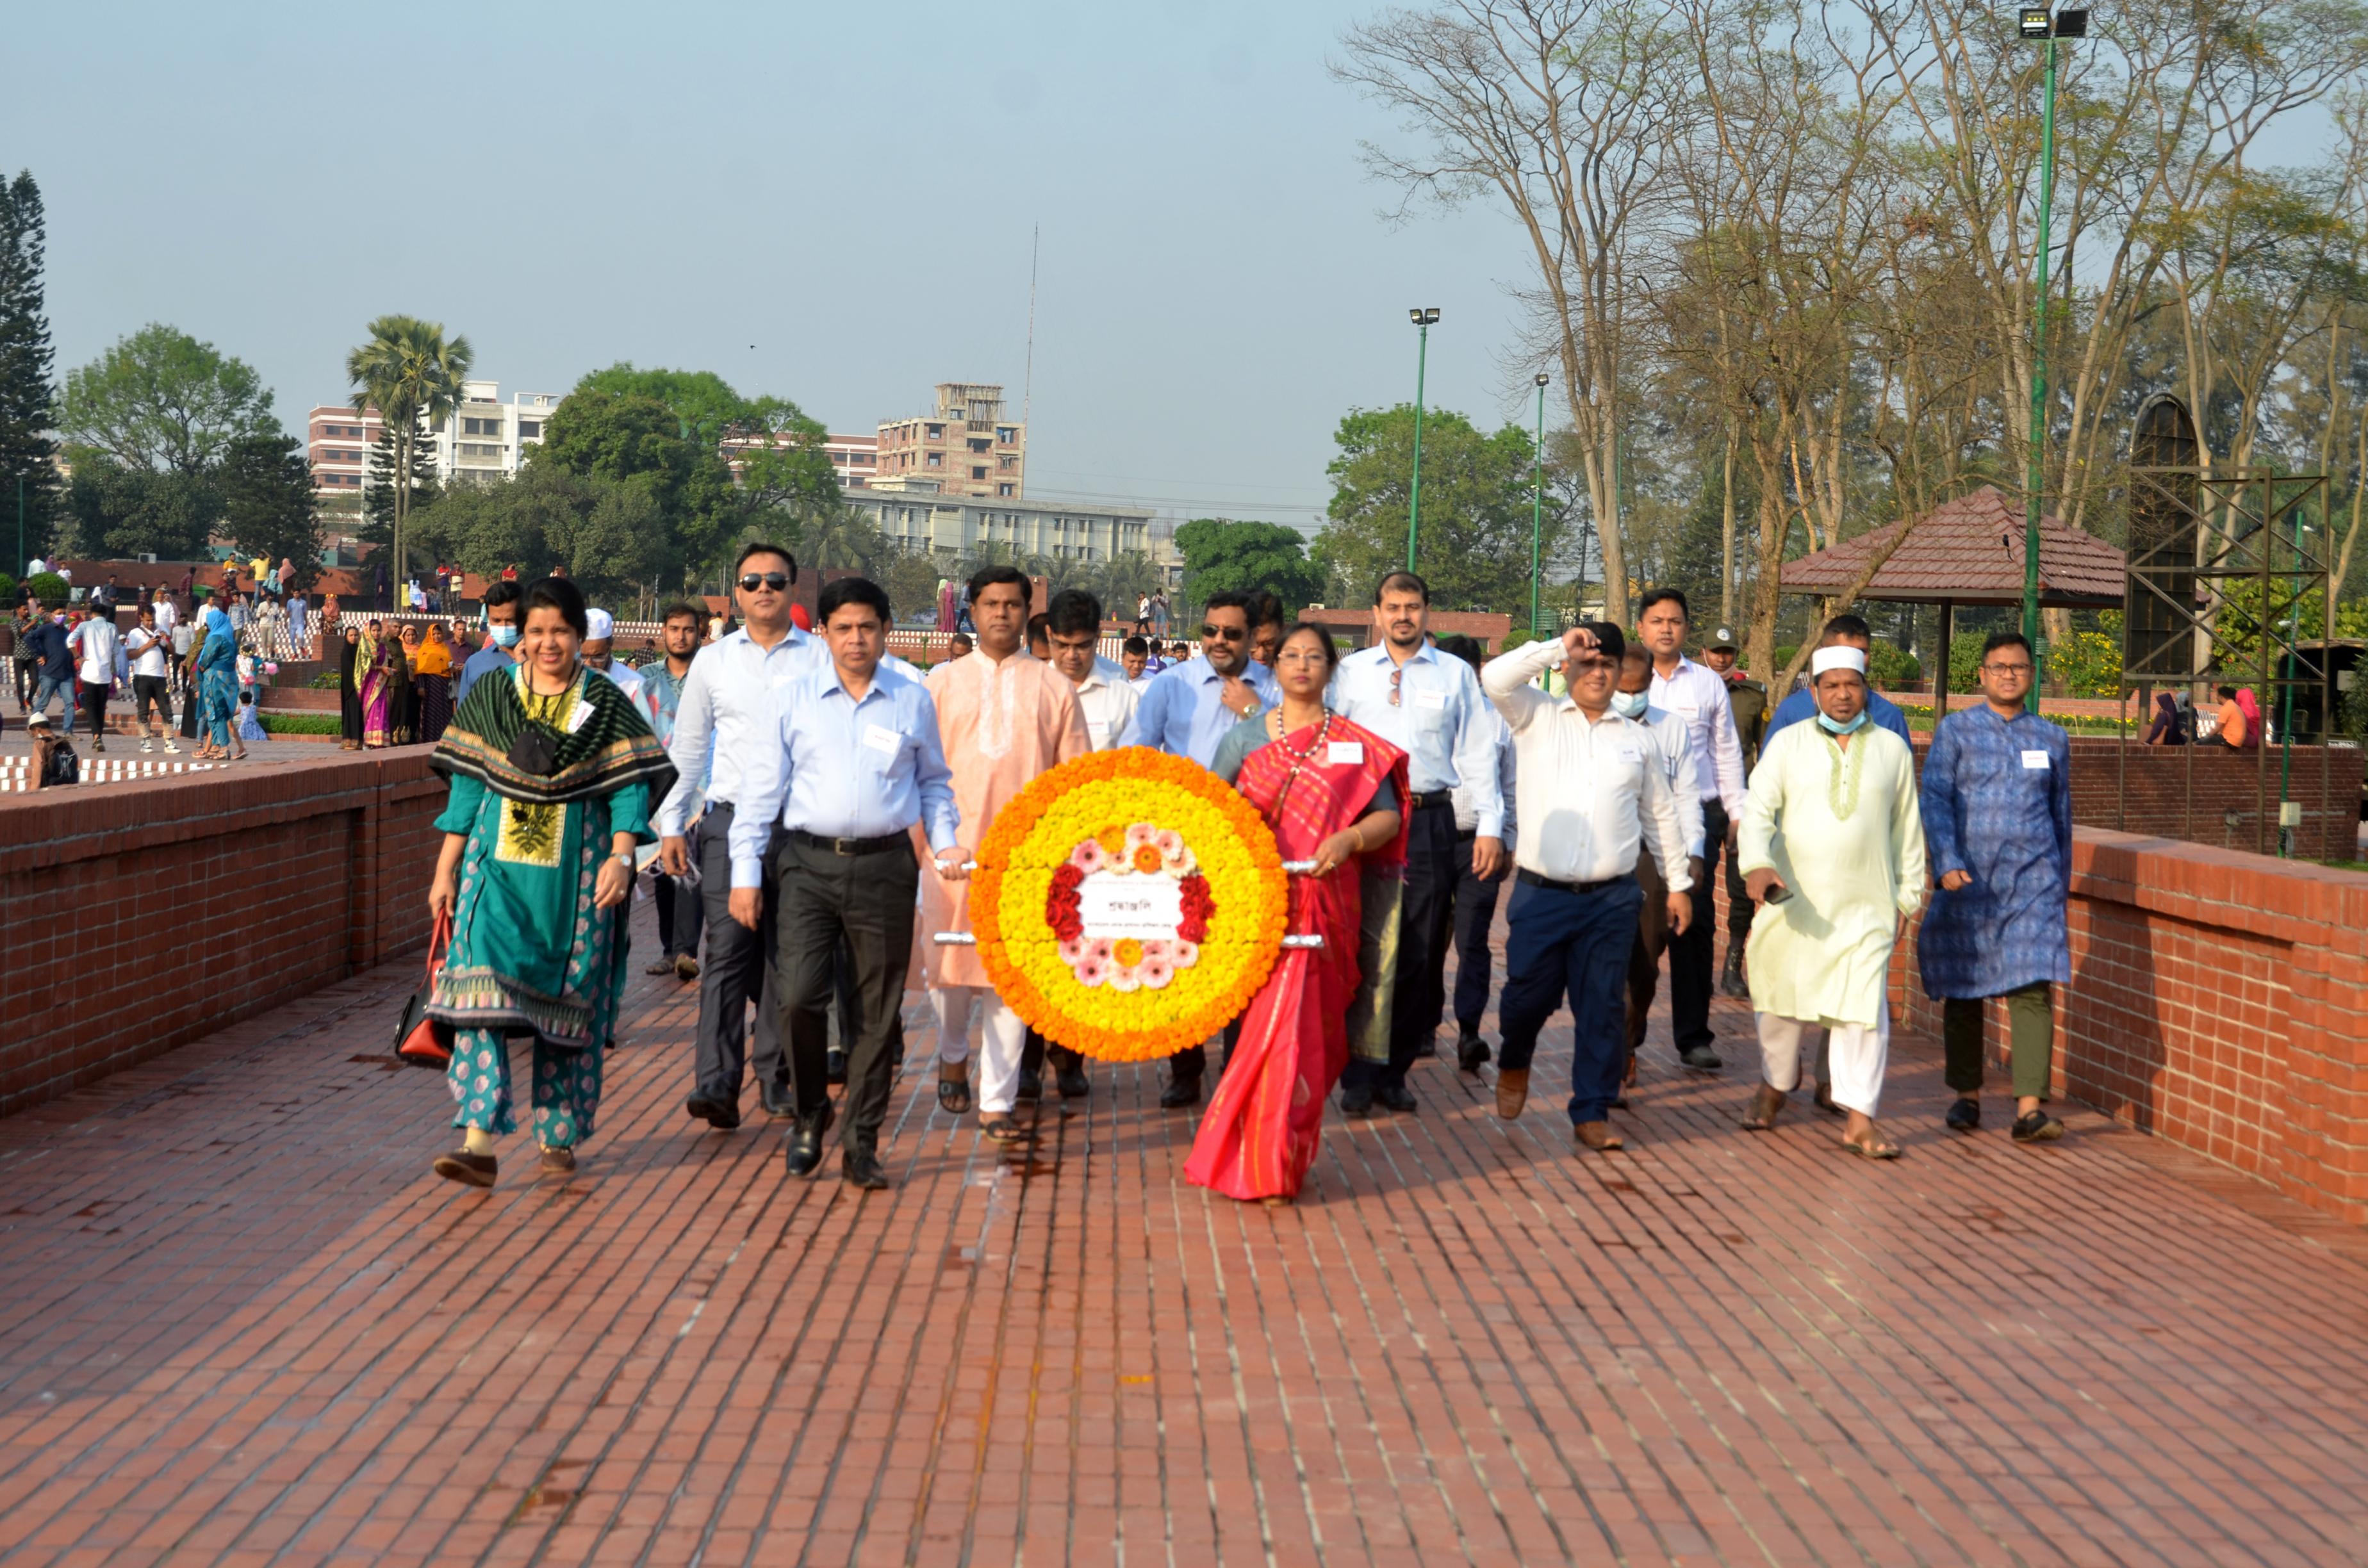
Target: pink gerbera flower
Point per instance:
(1086, 857)
(1171, 843)
(1124, 980)
(1140, 834)
(1073, 952)
(1182, 954)
(1156, 972)
(1100, 951)
(1092, 972)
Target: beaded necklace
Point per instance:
(1299, 759)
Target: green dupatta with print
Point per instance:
(611, 746)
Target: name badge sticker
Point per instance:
(881, 739)
(2036, 760)
(1344, 753)
(581, 717)
(1434, 700)
(1630, 752)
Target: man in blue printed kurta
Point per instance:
(1997, 826)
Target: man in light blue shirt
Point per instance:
(1185, 712)
(1430, 705)
(1189, 707)
(502, 635)
(1842, 631)
(853, 763)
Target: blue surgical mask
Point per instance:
(1832, 728)
(1631, 704)
(505, 636)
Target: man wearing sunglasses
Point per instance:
(1428, 704)
(721, 734)
(1185, 712)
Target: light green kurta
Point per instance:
(1841, 828)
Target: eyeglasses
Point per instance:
(1223, 633)
(2006, 670)
(752, 581)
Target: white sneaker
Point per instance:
(171, 747)
(146, 746)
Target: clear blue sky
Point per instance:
(847, 188)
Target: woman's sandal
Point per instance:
(954, 1090)
(1872, 1146)
(1002, 1129)
(1765, 1103)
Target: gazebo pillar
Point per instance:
(1940, 673)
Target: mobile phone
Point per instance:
(1776, 893)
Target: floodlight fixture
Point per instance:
(2034, 21)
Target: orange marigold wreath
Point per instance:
(1140, 826)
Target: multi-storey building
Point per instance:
(855, 459)
(922, 520)
(484, 438)
(966, 447)
(338, 443)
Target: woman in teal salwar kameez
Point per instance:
(553, 771)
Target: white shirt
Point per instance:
(95, 640)
(627, 679)
(719, 723)
(1677, 747)
(1467, 798)
(1695, 695)
(1440, 721)
(168, 615)
(1588, 788)
(146, 645)
(1107, 701)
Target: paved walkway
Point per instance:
(241, 1324)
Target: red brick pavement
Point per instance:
(242, 1325)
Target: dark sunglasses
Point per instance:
(1223, 633)
(752, 581)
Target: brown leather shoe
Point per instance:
(1598, 1136)
(1512, 1092)
(469, 1170)
(557, 1160)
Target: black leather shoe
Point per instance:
(1965, 1116)
(1357, 1100)
(860, 1168)
(1732, 983)
(1471, 1053)
(833, 1067)
(780, 1103)
(1397, 1097)
(1700, 1058)
(805, 1144)
(2038, 1126)
(1180, 1093)
(1032, 1085)
(720, 1114)
(1069, 1077)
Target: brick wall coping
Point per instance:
(2286, 901)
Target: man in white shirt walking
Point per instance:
(149, 651)
(95, 644)
(724, 713)
(1697, 696)
(1632, 699)
(1591, 788)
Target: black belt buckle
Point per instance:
(846, 849)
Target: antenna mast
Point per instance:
(1028, 385)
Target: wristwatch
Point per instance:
(625, 859)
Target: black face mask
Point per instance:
(535, 751)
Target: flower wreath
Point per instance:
(1136, 821)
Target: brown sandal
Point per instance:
(1765, 1105)
(1002, 1129)
(1872, 1146)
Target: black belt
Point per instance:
(879, 845)
(1536, 881)
(1422, 801)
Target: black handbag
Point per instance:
(535, 750)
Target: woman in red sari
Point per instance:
(1333, 793)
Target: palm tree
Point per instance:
(844, 539)
(408, 371)
(1126, 577)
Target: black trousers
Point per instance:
(93, 704)
(1476, 914)
(866, 901)
(1738, 898)
(738, 972)
(1693, 957)
(682, 916)
(148, 692)
(1036, 1050)
(1424, 928)
(23, 668)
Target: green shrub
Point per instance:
(301, 724)
(326, 680)
(7, 590)
(50, 588)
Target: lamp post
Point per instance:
(1422, 318)
(1537, 501)
(2037, 23)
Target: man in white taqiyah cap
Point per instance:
(1832, 848)
(599, 639)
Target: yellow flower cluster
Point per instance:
(1099, 796)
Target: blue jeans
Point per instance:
(47, 686)
(1571, 944)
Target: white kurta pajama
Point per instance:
(1841, 827)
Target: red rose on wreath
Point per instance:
(1197, 906)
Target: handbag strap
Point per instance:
(439, 941)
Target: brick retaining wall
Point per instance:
(143, 915)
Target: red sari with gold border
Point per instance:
(1259, 1135)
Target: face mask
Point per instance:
(1831, 728)
(1631, 704)
(505, 636)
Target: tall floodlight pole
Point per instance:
(1537, 502)
(2036, 23)
(1422, 318)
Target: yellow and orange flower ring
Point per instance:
(1128, 903)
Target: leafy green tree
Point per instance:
(1473, 544)
(26, 450)
(911, 578)
(605, 530)
(845, 539)
(378, 501)
(268, 504)
(409, 371)
(162, 400)
(1221, 555)
(1126, 577)
(121, 512)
